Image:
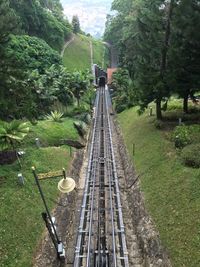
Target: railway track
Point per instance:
(101, 240)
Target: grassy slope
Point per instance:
(21, 223)
(101, 55)
(77, 54)
(172, 191)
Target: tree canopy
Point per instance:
(43, 19)
(32, 76)
(158, 42)
(76, 24)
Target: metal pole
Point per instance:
(45, 204)
(133, 149)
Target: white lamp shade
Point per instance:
(66, 185)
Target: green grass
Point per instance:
(172, 191)
(50, 133)
(21, 223)
(101, 55)
(77, 54)
(98, 49)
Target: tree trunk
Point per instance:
(78, 101)
(164, 53)
(167, 39)
(185, 104)
(158, 109)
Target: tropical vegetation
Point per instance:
(32, 76)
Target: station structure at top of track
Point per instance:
(101, 240)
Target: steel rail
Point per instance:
(124, 252)
(101, 168)
(93, 189)
(86, 192)
(110, 181)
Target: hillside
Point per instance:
(77, 55)
(171, 189)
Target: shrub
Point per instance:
(159, 124)
(185, 135)
(81, 128)
(181, 136)
(191, 155)
(55, 116)
(120, 107)
(77, 111)
(176, 104)
(12, 133)
(85, 117)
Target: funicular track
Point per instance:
(101, 238)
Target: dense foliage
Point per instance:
(12, 133)
(191, 155)
(158, 42)
(32, 76)
(43, 19)
(29, 53)
(123, 95)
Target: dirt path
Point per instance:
(66, 45)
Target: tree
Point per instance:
(76, 24)
(185, 52)
(124, 94)
(28, 53)
(22, 55)
(43, 19)
(144, 43)
(8, 21)
(79, 84)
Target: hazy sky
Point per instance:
(91, 13)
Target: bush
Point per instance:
(174, 116)
(181, 136)
(120, 107)
(185, 135)
(30, 53)
(175, 104)
(81, 128)
(12, 133)
(159, 124)
(77, 111)
(85, 117)
(191, 155)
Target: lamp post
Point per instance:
(66, 185)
